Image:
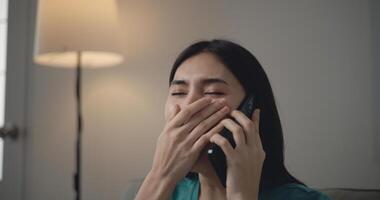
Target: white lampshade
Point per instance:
(68, 26)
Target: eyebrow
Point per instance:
(203, 81)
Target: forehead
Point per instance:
(203, 65)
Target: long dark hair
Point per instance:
(254, 80)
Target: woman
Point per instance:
(208, 81)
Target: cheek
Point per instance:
(232, 102)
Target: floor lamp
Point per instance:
(77, 34)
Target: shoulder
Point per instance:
(294, 191)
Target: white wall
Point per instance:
(375, 19)
(317, 55)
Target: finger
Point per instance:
(224, 144)
(174, 112)
(236, 130)
(199, 118)
(204, 139)
(208, 123)
(246, 123)
(259, 144)
(185, 114)
(256, 121)
(215, 130)
(257, 118)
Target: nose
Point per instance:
(192, 96)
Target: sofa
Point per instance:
(333, 193)
(351, 193)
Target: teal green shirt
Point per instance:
(188, 189)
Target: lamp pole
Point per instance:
(77, 175)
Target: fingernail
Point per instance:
(258, 113)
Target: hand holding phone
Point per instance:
(215, 153)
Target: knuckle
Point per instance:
(250, 124)
(238, 130)
(202, 125)
(262, 158)
(260, 154)
(173, 136)
(170, 125)
(203, 139)
(224, 142)
(168, 128)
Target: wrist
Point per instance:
(155, 187)
(166, 181)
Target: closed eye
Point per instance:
(183, 93)
(215, 93)
(178, 93)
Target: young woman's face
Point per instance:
(190, 84)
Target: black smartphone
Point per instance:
(215, 153)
